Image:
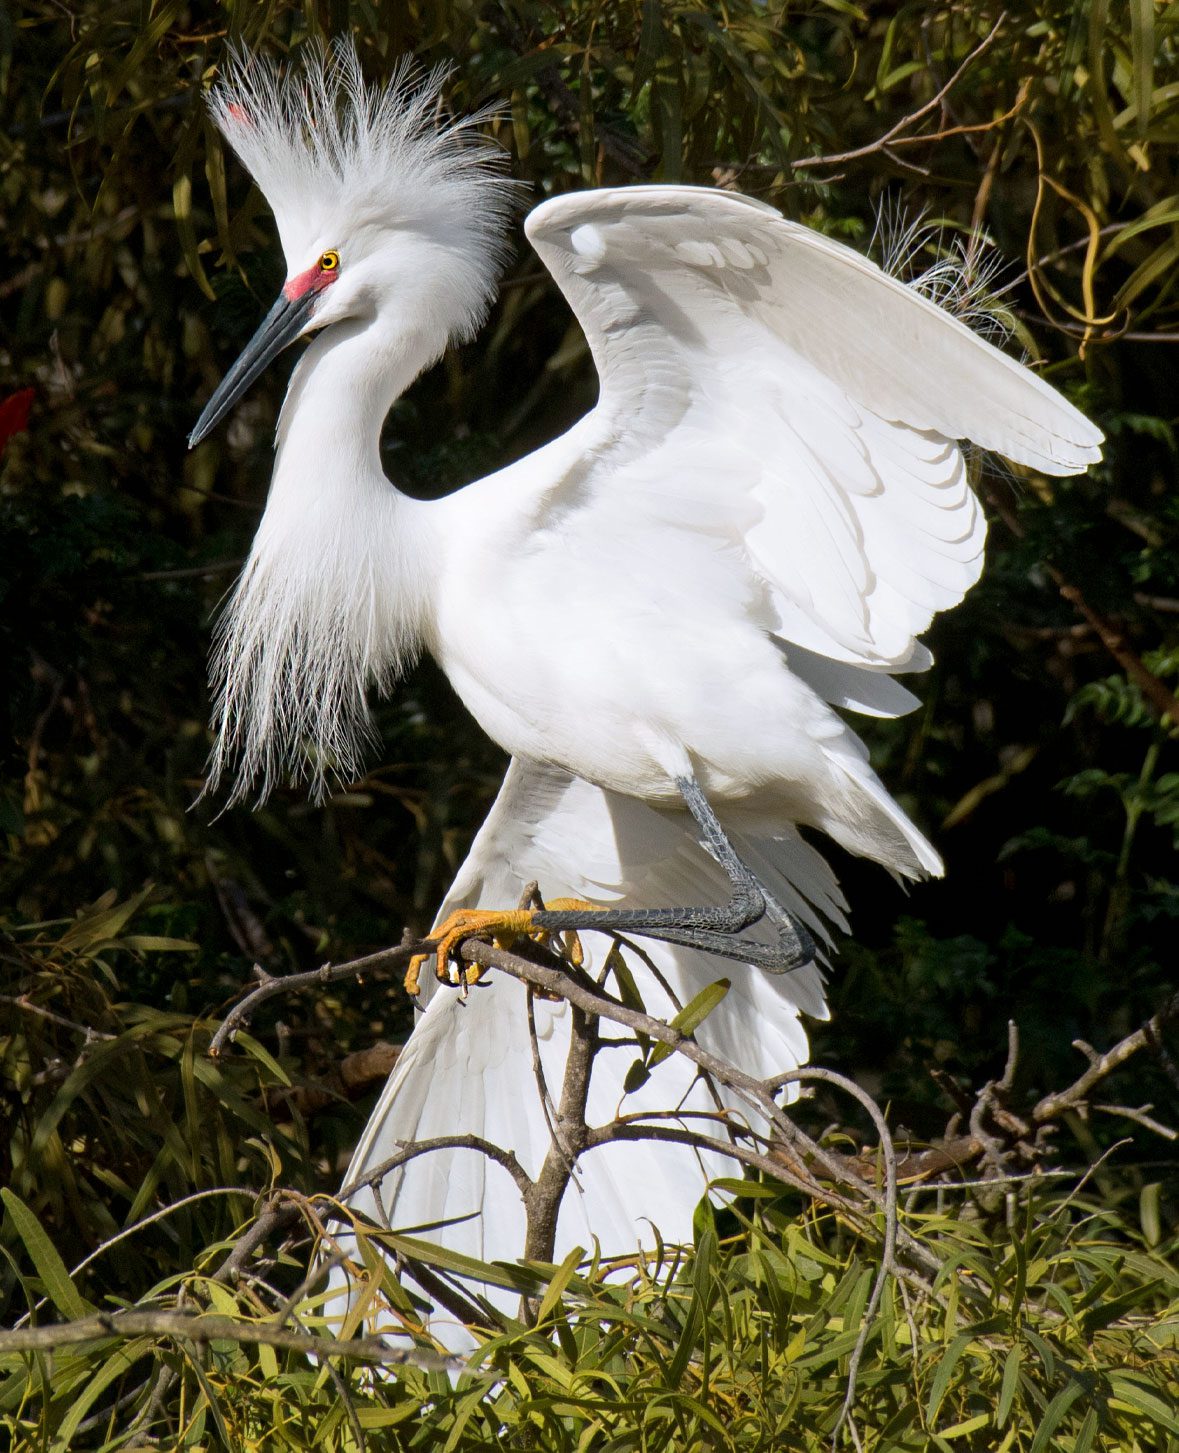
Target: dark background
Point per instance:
(136, 262)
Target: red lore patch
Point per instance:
(313, 280)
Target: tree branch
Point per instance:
(202, 1328)
(1147, 1036)
(893, 137)
(271, 985)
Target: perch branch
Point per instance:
(271, 985)
(202, 1328)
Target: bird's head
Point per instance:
(385, 209)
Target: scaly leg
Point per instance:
(712, 930)
(715, 930)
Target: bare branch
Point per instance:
(203, 1328)
(893, 136)
(1148, 1036)
(1141, 1117)
(271, 985)
(87, 1031)
(412, 1149)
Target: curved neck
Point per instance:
(340, 392)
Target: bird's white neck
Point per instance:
(339, 394)
(333, 594)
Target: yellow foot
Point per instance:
(504, 926)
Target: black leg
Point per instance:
(711, 930)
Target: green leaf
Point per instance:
(636, 1077)
(1054, 1414)
(1008, 1386)
(1143, 1400)
(945, 1371)
(123, 1358)
(58, 1284)
(692, 1015)
(559, 1283)
(262, 1055)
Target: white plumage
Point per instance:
(767, 506)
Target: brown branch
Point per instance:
(542, 1201)
(1140, 1116)
(594, 1001)
(759, 1094)
(202, 1328)
(1153, 688)
(410, 1150)
(23, 1001)
(1147, 1036)
(892, 137)
(271, 985)
(280, 1211)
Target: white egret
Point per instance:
(660, 610)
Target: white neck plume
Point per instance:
(332, 596)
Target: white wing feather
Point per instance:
(760, 380)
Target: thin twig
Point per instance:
(271, 985)
(24, 1002)
(410, 1150)
(892, 137)
(1052, 1106)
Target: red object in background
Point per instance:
(14, 414)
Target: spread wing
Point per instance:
(765, 384)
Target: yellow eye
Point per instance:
(329, 262)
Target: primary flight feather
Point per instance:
(664, 606)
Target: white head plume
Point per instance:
(330, 600)
(335, 156)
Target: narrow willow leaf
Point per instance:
(1008, 1386)
(964, 1429)
(1054, 1415)
(945, 1371)
(559, 1283)
(262, 1055)
(1144, 1401)
(111, 1370)
(692, 1016)
(59, 1287)
(1087, 1433)
(1142, 49)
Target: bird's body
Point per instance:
(746, 534)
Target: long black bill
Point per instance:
(280, 327)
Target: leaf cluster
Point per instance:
(1055, 1330)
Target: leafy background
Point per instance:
(138, 260)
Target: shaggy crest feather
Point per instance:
(328, 150)
(961, 278)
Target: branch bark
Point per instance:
(203, 1328)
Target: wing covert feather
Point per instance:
(823, 400)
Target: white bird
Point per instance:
(663, 607)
